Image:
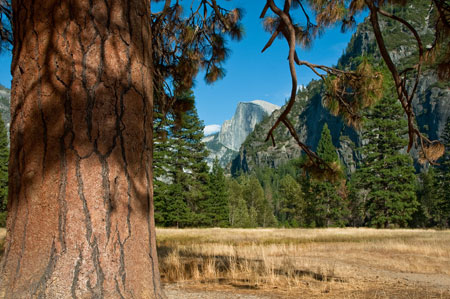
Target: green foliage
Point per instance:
(181, 174)
(215, 206)
(427, 195)
(237, 207)
(4, 156)
(325, 148)
(260, 209)
(292, 202)
(249, 205)
(284, 192)
(326, 204)
(384, 185)
(441, 214)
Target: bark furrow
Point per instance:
(80, 204)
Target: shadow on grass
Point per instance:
(239, 272)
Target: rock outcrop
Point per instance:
(225, 144)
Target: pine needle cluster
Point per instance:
(349, 93)
(185, 43)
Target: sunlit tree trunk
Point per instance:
(80, 204)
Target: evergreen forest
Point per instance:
(386, 188)
(385, 191)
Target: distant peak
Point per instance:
(268, 107)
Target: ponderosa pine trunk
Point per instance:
(80, 205)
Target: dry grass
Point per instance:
(308, 263)
(344, 263)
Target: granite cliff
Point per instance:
(225, 144)
(431, 103)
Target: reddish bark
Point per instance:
(80, 206)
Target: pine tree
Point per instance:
(292, 202)
(190, 155)
(181, 173)
(325, 147)
(441, 214)
(260, 209)
(237, 207)
(386, 174)
(215, 207)
(4, 156)
(427, 196)
(326, 206)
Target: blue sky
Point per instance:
(250, 74)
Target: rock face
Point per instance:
(225, 144)
(5, 96)
(308, 117)
(431, 103)
(247, 115)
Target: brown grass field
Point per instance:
(303, 263)
(306, 263)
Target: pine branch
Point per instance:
(403, 95)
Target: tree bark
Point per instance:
(80, 201)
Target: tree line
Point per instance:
(384, 191)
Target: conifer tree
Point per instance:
(441, 214)
(215, 206)
(427, 196)
(326, 205)
(325, 147)
(4, 156)
(181, 173)
(237, 207)
(260, 209)
(386, 173)
(189, 158)
(292, 202)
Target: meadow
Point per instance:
(303, 263)
(308, 263)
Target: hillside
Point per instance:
(431, 104)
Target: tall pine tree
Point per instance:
(292, 202)
(215, 206)
(326, 205)
(386, 174)
(441, 214)
(181, 173)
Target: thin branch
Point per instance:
(272, 38)
(291, 41)
(264, 11)
(308, 21)
(443, 8)
(404, 97)
(419, 46)
(289, 34)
